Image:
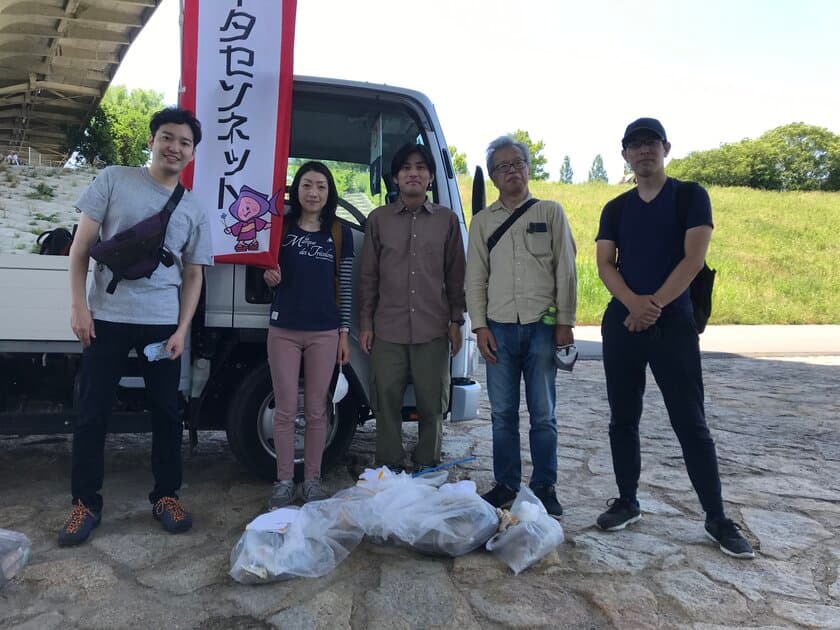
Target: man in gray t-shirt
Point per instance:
(138, 313)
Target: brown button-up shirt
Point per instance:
(411, 283)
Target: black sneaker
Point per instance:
(172, 515)
(78, 526)
(727, 534)
(619, 515)
(548, 496)
(500, 496)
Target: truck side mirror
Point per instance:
(479, 195)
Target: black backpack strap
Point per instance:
(701, 287)
(683, 189)
(496, 236)
(614, 210)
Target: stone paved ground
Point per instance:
(777, 426)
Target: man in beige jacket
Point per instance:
(511, 285)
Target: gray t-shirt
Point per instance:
(120, 197)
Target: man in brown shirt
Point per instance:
(411, 307)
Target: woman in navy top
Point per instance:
(307, 325)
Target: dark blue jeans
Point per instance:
(524, 349)
(671, 348)
(103, 364)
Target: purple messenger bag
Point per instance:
(136, 252)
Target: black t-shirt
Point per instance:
(650, 238)
(305, 297)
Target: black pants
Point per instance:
(103, 363)
(671, 348)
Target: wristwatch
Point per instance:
(460, 322)
(343, 329)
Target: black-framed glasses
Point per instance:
(507, 167)
(638, 143)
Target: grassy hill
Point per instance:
(777, 254)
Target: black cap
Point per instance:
(644, 124)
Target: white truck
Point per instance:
(225, 378)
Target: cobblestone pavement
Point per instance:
(777, 427)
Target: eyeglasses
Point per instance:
(638, 143)
(507, 167)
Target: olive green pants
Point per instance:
(393, 366)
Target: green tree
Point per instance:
(129, 112)
(791, 157)
(92, 140)
(538, 160)
(459, 160)
(805, 157)
(598, 173)
(118, 131)
(566, 172)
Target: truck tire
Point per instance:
(250, 422)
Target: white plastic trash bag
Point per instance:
(380, 478)
(14, 554)
(451, 521)
(394, 499)
(413, 512)
(529, 534)
(288, 543)
(391, 496)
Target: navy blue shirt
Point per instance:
(651, 240)
(305, 297)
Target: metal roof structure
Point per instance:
(57, 59)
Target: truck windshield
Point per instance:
(348, 133)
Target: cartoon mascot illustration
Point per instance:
(247, 209)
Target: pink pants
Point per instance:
(286, 348)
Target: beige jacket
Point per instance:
(531, 268)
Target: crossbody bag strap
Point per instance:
(166, 258)
(174, 200)
(496, 236)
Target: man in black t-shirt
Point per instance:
(648, 253)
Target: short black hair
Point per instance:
(328, 212)
(177, 116)
(409, 148)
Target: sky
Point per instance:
(571, 73)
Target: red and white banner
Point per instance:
(236, 75)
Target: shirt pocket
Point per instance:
(538, 243)
(432, 255)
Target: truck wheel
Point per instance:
(250, 426)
